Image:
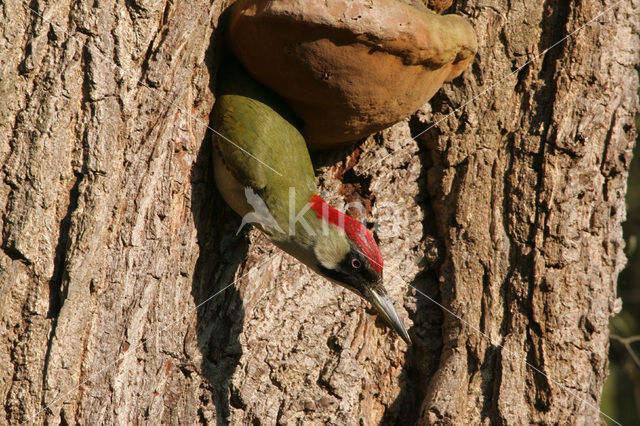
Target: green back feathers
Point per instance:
(259, 141)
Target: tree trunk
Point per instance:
(126, 296)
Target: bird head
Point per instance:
(348, 255)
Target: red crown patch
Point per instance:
(356, 231)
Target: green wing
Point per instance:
(256, 134)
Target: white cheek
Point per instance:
(331, 250)
(327, 257)
(328, 263)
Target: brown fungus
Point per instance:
(437, 6)
(349, 67)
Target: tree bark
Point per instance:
(126, 296)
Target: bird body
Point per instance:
(257, 122)
(263, 171)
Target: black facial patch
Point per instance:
(354, 272)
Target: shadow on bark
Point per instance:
(423, 356)
(220, 308)
(220, 313)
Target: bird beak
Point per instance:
(380, 300)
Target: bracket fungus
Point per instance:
(350, 68)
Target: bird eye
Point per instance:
(355, 263)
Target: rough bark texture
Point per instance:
(114, 238)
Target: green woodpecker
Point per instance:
(264, 172)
